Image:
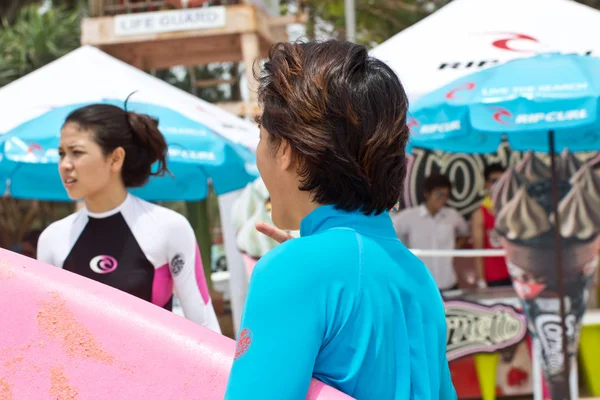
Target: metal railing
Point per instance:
(101, 8)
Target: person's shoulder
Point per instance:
(277, 258)
(61, 228)
(477, 213)
(403, 219)
(277, 267)
(63, 225)
(452, 212)
(412, 265)
(407, 212)
(315, 255)
(424, 291)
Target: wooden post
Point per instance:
(250, 53)
(96, 8)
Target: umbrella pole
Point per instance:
(558, 246)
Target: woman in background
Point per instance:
(347, 302)
(491, 271)
(117, 238)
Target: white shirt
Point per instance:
(418, 229)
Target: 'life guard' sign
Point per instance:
(169, 21)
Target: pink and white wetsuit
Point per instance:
(140, 248)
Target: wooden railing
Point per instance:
(101, 8)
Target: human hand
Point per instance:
(276, 234)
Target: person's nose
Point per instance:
(65, 164)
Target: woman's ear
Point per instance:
(117, 158)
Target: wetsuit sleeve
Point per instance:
(44, 247)
(186, 269)
(280, 334)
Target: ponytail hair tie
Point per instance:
(127, 99)
(129, 114)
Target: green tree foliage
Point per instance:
(9, 9)
(376, 20)
(33, 39)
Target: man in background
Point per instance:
(434, 226)
(491, 271)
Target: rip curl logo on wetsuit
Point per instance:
(103, 264)
(177, 264)
(243, 343)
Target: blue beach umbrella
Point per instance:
(197, 155)
(522, 100)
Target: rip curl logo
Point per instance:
(464, 87)
(103, 264)
(177, 264)
(243, 343)
(501, 114)
(34, 147)
(412, 123)
(505, 42)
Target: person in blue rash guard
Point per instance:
(346, 303)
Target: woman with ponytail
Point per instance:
(117, 238)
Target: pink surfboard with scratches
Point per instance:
(63, 337)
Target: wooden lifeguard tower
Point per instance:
(158, 34)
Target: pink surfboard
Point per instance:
(63, 337)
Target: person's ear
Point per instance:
(285, 155)
(117, 158)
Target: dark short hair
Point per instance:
(436, 181)
(343, 113)
(137, 134)
(492, 168)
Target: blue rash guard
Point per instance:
(348, 304)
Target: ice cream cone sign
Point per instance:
(526, 222)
